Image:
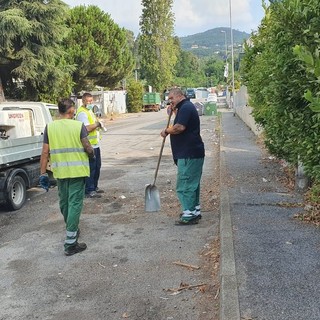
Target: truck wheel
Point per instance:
(17, 193)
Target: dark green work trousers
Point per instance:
(71, 194)
(188, 182)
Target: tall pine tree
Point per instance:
(32, 64)
(157, 47)
(98, 47)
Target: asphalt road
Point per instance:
(128, 270)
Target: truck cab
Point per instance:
(41, 113)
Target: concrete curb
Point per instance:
(229, 299)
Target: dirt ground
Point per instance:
(138, 264)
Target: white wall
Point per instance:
(243, 110)
(110, 101)
(114, 101)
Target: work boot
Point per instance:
(93, 194)
(198, 212)
(78, 247)
(188, 218)
(98, 190)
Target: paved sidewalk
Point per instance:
(270, 262)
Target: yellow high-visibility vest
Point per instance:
(93, 135)
(67, 155)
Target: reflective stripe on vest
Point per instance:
(67, 162)
(67, 150)
(93, 135)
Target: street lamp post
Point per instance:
(225, 42)
(226, 67)
(232, 55)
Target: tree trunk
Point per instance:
(2, 98)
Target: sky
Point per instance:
(191, 16)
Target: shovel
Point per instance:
(152, 196)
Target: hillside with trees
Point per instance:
(212, 41)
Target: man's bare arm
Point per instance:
(91, 127)
(44, 158)
(87, 147)
(176, 129)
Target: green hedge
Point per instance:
(134, 96)
(282, 72)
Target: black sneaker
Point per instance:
(78, 247)
(198, 214)
(93, 194)
(98, 190)
(186, 223)
(186, 219)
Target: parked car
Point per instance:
(191, 93)
(165, 100)
(202, 93)
(164, 104)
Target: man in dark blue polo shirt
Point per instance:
(188, 154)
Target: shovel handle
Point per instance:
(161, 150)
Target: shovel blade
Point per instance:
(152, 198)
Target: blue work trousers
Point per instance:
(95, 166)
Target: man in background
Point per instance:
(87, 117)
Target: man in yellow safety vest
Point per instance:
(87, 117)
(65, 140)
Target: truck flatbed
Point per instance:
(20, 150)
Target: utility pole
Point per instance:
(226, 66)
(232, 56)
(225, 42)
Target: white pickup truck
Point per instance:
(21, 136)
